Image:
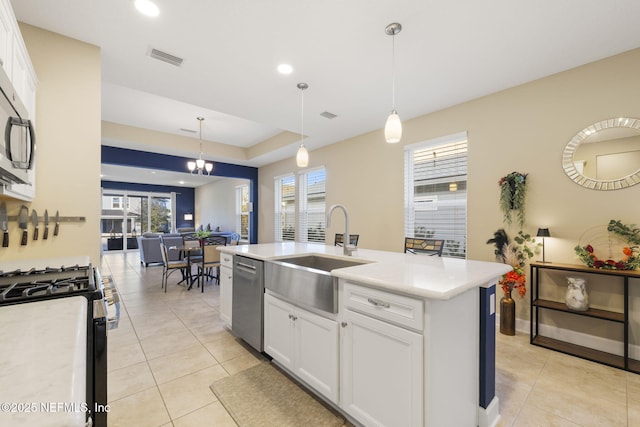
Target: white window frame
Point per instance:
(424, 203)
(239, 213)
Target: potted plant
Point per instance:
(512, 191)
(515, 253)
(201, 235)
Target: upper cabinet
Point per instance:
(15, 59)
(21, 93)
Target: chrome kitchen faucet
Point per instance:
(348, 248)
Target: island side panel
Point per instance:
(488, 402)
(451, 360)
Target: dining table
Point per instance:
(188, 251)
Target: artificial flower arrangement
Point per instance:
(631, 252)
(515, 253)
(512, 191)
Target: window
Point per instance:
(242, 211)
(311, 218)
(285, 207)
(436, 192)
(116, 203)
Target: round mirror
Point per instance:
(605, 155)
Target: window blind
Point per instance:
(436, 192)
(285, 205)
(311, 218)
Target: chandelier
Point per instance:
(199, 166)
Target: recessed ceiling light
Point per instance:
(147, 7)
(285, 69)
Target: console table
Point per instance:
(620, 318)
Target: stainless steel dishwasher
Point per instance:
(247, 300)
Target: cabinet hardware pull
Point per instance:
(378, 303)
(344, 324)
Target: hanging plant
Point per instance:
(512, 192)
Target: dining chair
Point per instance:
(192, 252)
(431, 247)
(169, 267)
(210, 259)
(235, 238)
(339, 239)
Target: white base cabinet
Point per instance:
(381, 379)
(226, 288)
(304, 343)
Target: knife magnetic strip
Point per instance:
(53, 220)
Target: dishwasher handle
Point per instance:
(245, 265)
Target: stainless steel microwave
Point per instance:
(18, 147)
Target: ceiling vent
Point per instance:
(188, 130)
(328, 115)
(165, 57)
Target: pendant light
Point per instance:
(199, 166)
(393, 127)
(302, 158)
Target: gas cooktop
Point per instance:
(33, 284)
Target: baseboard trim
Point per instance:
(598, 343)
(490, 416)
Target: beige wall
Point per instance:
(521, 129)
(68, 146)
(216, 203)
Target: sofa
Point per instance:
(149, 245)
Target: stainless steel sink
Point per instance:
(306, 280)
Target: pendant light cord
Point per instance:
(393, 72)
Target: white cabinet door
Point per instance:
(6, 36)
(278, 330)
(382, 374)
(226, 294)
(304, 343)
(316, 351)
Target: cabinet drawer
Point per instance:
(386, 306)
(226, 260)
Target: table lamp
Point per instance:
(543, 232)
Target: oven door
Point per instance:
(97, 371)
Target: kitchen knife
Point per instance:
(45, 236)
(4, 224)
(57, 227)
(34, 221)
(23, 219)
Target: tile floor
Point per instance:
(170, 347)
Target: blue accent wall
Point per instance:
(487, 346)
(144, 159)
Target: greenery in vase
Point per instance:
(515, 253)
(202, 234)
(512, 194)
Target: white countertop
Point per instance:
(417, 275)
(43, 353)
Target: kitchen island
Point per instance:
(412, 341)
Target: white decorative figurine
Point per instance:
(577, 298)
